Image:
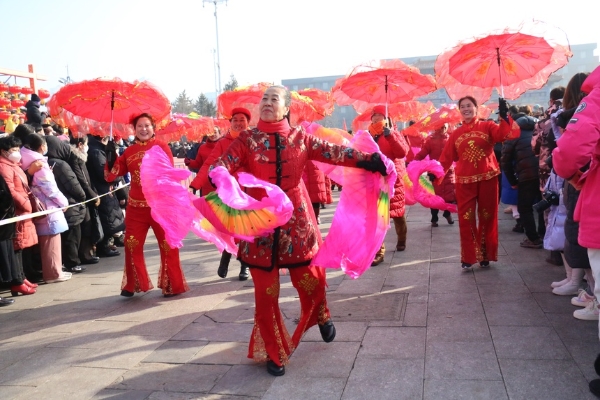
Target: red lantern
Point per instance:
(4, 102)
(17, 103)
(3, 87)
(26, 90)
(4, 115)
(43, 93)
(15, 89)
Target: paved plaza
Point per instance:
(414, 327)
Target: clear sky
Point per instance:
(171, 43)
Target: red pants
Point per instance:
(135, 277)
(478, 236)
(270, 338)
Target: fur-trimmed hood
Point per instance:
(78, 153)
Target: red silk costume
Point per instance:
(203, 153)
(278, 154)
(137, 222)
(471, 146)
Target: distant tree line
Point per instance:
(185, 105)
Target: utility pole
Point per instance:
(216, 3)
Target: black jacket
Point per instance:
(7, 210)
(519, 163)
(33, 114)
(110, 212)
(59, 153)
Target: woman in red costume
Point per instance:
(138, 218)
(240, 118)
(203, 153)
(471, 146)
(394, 146)
(278, 153)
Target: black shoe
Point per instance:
(170, 294)
(275, 369)
(76, 269)
(126, 293)
(518, 228)
(449, 219)
(595, 387)
(597, 365)
(466, 267)
(108, 252)
(434, 224)
(327, 331)
(244, 273)
(92, 260)
(6, 302)
(224, 264)
(484, 264)
(322, 206)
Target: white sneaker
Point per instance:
(590, 313)
(583, 299)
(65, 276)
(569, 289)
(318, 220)
(559, 283)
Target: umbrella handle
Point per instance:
(499, 72)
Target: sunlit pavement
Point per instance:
(414, 327)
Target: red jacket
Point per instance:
(315, 182)
(280, 158)
(579, 145)
(472, 147)
(25, 234)
(395, 148)
(130, 161)
(201, 182)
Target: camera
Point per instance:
(549, 198)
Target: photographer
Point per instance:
(521, 168)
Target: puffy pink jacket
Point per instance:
(580, 144)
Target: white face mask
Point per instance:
(131, 138)
(120, 142)
(85, 148)
(15, 156)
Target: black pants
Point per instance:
(70, 246)
(529, 194)
(11, 268)
(434, 214)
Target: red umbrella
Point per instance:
(405, 111)
(181, 124)
(112, 100)
(322, 100)
(513, 60)
(383, 82)
(301, 109)
(446, 114)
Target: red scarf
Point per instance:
(282, 126)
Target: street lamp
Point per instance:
(217, 2)
(66, 80)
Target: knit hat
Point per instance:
(35, 97)
(378, 110)
(241, 110)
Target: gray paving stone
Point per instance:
(322, 360)
(572, 330)
(415, 314)
(228, 353)
(461, 360)
(450, 304)
(361, 286)
(385, 379)
(444, 389)
(584, 354)
(457, 328)
(205, 329)
(515, 313)
(171, 377)
(113, 394)
(175, 351)
(345, 332)
(551, 303)
(544, 379)
(244, 380)
(502, 293)
(305, 388)
(528, 342)
(393, 342)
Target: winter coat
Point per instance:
(395, 148)
(45, 189)
(578, 146)
(280, 158)
(33, 114)
(7, 210)
(518, 161)
(25, 235)
(77, 163)
(433, 147)
(509, 195)
(111, 215)
(314, 179)
(58, 156)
